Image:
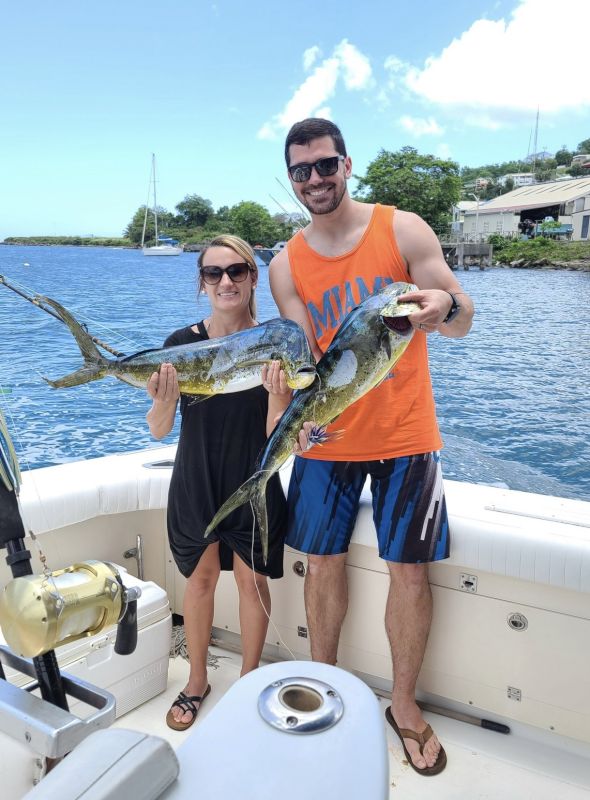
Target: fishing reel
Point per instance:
(41, 612)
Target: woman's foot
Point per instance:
(185, 708)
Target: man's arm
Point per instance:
(288, 301)
(428, 269)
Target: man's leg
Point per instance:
(326, 601)
(407, 621)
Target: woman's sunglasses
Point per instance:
(324, 167)
(235, 272)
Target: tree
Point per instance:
(252, 222)
(576, 171)
(564, 156)
(134, 229)
(194, 211)
(421, 183)
(584, 147)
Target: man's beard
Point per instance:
(337, 197)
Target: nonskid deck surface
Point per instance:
(482, 765)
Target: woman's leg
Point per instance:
(253, 618)
(198, 620)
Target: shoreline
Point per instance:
(576, 264)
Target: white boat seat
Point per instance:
(111, 763)
(532, 537)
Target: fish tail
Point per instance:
(254, 491)
(94, 362)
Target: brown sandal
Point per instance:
(421, 738)
(185, 703)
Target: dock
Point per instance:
(464, 255)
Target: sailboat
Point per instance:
(165, 246)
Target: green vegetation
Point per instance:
(545, 170)
(424, 184)
(540, 251)
(85, 241)
(197, 222)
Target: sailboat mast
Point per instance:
(147, 205)
(535, 144)
(155, 200)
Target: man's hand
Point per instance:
(303, 443)
(434, 304)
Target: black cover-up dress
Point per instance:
(220, 440)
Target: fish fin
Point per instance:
(319, 435)
(195, 399)
(94, 362)
(254, 490)
(77, 378)
(259, 508)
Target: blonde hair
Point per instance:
(241, 248)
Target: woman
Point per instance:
(220, 439)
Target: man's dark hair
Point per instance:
(314, 128)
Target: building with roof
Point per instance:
(567, 202)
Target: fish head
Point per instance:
(296, 357)
(300, 377)
(394, 314)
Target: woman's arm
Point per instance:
(163, 388)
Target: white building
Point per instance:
(566, 201)
(518, 179)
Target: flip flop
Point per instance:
(421, 738)
(185, 703)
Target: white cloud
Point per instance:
(310, 56)
(421, 127)
(511, 66)
(355, 66)
(346, 64)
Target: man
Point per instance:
(347, 251)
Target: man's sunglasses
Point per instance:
(235, 272)
(324, 167)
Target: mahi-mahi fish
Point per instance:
(370, 341)
(215, 366)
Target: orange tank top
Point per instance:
(398, 417)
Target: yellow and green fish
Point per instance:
(215, 366)
(370, 341)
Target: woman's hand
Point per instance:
(273, 378)
(279, 394)
(162, 386)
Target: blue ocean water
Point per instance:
(512, 397)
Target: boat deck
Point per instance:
(482, 765)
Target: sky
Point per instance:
(89, 90)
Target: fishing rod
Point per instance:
(37, 301)
(293, 199)
(71, 603)
(296, 221)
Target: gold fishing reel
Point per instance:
(40, 612)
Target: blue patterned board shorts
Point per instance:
(409, 508)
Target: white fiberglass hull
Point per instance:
(510, 639)
(162, 250)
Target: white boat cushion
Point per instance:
(519, 535)
(110, 764)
